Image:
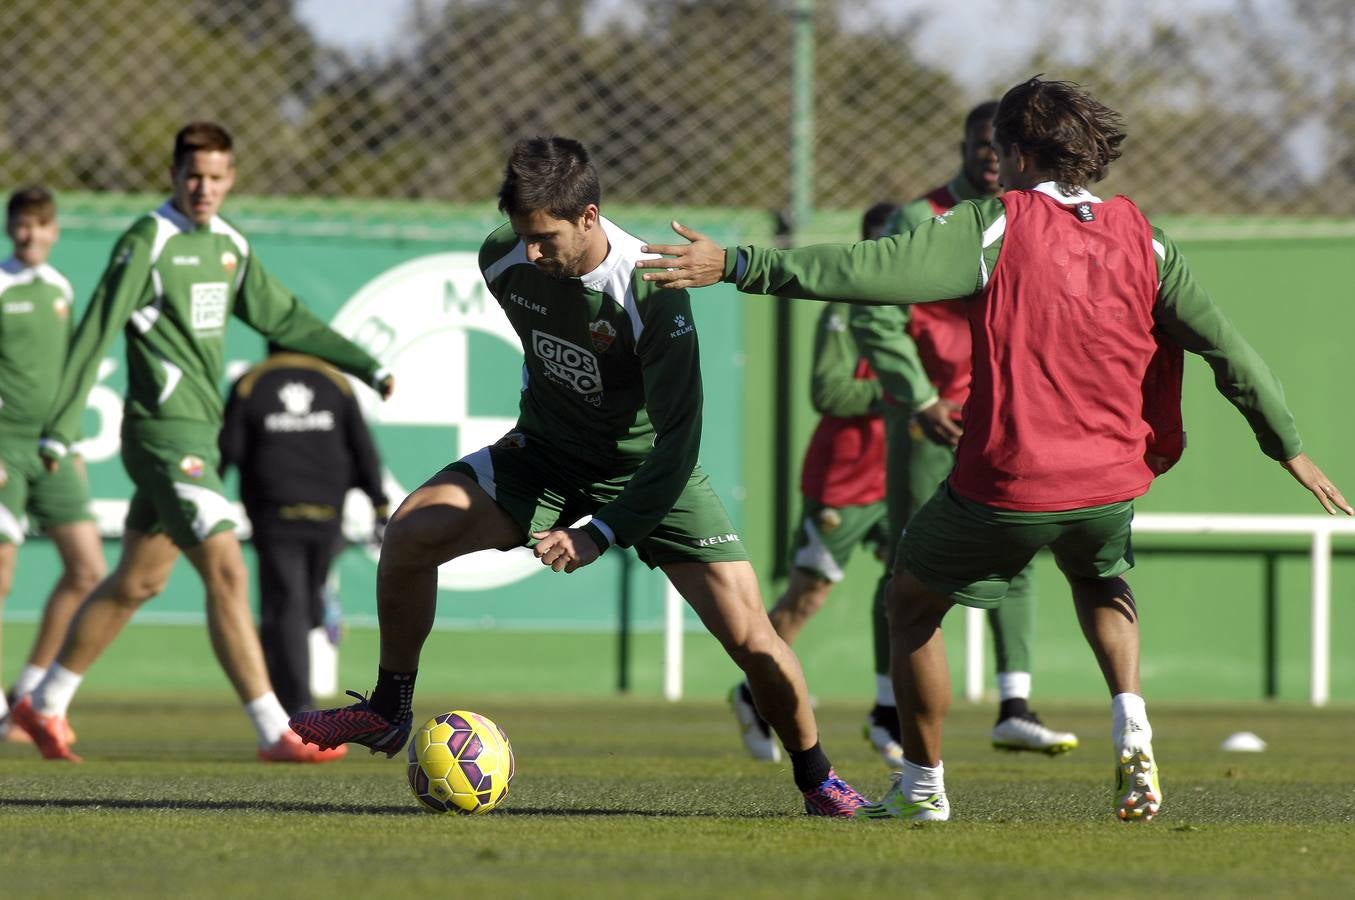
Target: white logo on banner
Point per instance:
(416, 318)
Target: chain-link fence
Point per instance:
(1233, 106)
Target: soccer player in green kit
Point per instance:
(609, 427)
(174, 280)
(1064, 293)
(36, 306)
(923, 359)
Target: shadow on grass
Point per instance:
(353, 809)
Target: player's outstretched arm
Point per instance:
(1306, 473)
(700, 263)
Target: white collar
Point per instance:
(1082, 195)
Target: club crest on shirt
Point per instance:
(513, 440)
(229, 261)
(192, 466)
(62, 307)
(602, 333)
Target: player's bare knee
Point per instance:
(83, 576)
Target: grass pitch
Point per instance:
(639, 798)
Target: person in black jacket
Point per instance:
(294, 430)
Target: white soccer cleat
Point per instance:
(1137, 789)
(1027, 732)
(757, 734)
(895, 804)
(881, 737)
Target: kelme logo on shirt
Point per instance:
(191, 466)
(568, 363)
(683, 326)
(717, 539)
(209, 306)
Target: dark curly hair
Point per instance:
(1065, 129)
(550, 173)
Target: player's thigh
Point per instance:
(15, 480)
(456, 512)
(697, 529)
(1098, 544)
(956, 548)
(9, 558)
(178, 491)
(725, 596)
(827, 536)
(61, 498)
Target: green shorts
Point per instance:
(828, 535)
(178, 490)
(541, 489)
(971, 552)
(26, 488)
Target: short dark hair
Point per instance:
(874, 221)
(33, 200)
(549, 173)
(984, 112)
(198, 137)
(1067, 130)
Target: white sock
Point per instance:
(53, 695)
(1013, 686)
(268, 718)
(884, 690)
(29, 678)
(1128, 706)
(920, 782)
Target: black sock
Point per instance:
(394, 694)
(1016, 707)
(887, 717)
(810, 767)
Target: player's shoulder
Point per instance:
(52, 275)
(501, 250)
(909, 215)
(225, 228)
(626, 250)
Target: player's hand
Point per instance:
(51, 464)
(386, 387)
(565, 549)
(1306, 473)
(698, 264)
(939, 422)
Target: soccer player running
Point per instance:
(923, 357)
(174, 280)
(609, 426)
(1065, 291)
(35, 331)
(842, 482)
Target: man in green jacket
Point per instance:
(609, 428)
(36, 306)
(1070, 298)
(174, 280)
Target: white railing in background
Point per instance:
(1319, 530)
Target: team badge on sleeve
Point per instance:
(192, 466)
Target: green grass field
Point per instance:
(638, 798)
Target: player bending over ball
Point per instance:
(1064, 293)
(175, 279)
(609, 425)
